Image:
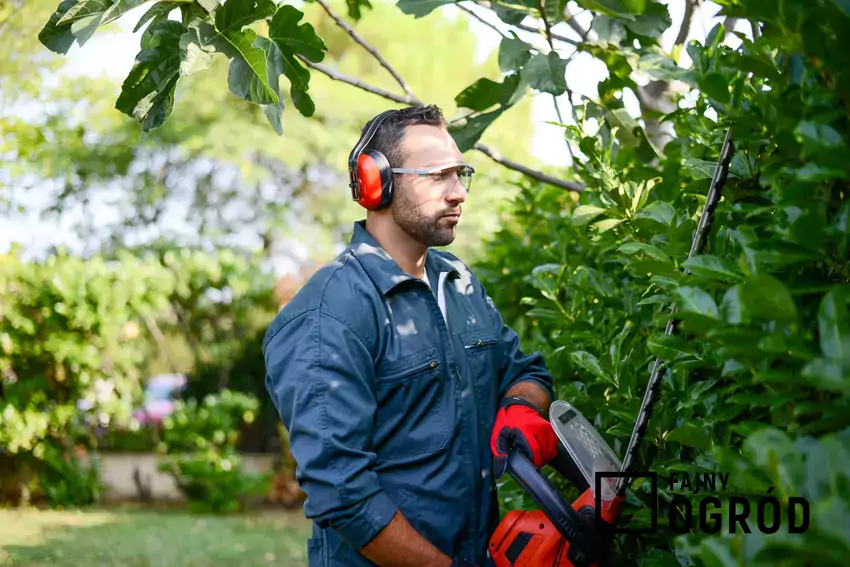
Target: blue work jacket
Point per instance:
(388, 391)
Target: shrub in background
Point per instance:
(198, 447)
(69, 358)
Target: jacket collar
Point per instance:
(381, 268)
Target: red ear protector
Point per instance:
(369, 171)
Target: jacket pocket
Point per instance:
(483, 353)
(413, 412)
(411, 367)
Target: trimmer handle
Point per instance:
(571, 525)
(565, 466)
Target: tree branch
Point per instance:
(554, 35)
(546, 25)
(531, 29)
(685, 28)
(540, 176)
(335, 75)
(569, 18)
(359, 40)
(728, 25)
(482, 20)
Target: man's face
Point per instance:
(427, 208)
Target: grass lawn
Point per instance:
(150, 538)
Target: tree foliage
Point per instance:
(261, 41)
(219, 174)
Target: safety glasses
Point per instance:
(459, 172)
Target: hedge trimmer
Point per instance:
(578, 536)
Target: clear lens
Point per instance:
(465, 176)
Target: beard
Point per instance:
(416, 224)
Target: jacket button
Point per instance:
(433, 364)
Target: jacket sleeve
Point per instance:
(516, 365)
(319, 375)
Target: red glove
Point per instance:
(520, 425)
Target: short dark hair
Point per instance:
(389, 135)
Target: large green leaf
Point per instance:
(608, 30)
(420, 8)
(641, 247)
(713, 267)
(234, 15)
(588, 362)
(73, 20)
(605, 225)
(699, 168)
(834, 323)
(546, 72)
(583, 214)
(669, 347)
(158, 12)
(659, 66)
(468, 131)
(119, 8)
(291, 39)
(509, 14)
(97, 13)
(195, 54)
(356, 7)
(716, 87)
(697, 300)
(625, 9)
(767, 298)
(513, 54)
(659, 211)
(485, 93)
(82, 10)
(147, 93)
(248, 75)
(615, 351)
(276, 65)
(690, 435)
(479, 96)
(652, 22)
(620, 119)
(733, 308)
(55, 37)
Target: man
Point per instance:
(394, 374)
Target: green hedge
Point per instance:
(756, 383)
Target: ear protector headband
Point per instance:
(371, 181)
